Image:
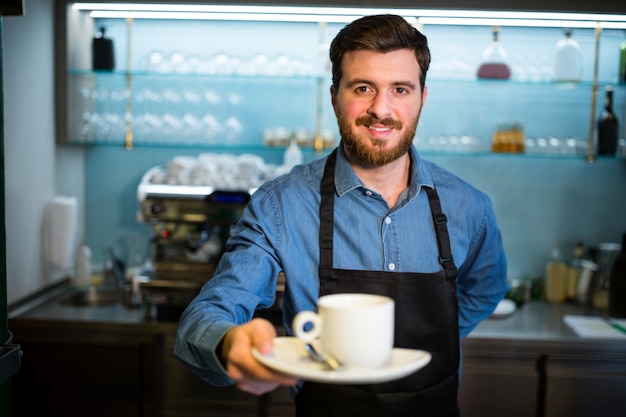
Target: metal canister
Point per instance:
(604, 255)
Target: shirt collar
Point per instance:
(346, 180)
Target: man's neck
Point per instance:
(389, 180)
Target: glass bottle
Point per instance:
(617, 284)
(555, 279)
(494, 60)
(102, 52)
(292, 155)
(567, 64)
(573, 272)
(608, 126)
(509, 137)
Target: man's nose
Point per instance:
(380, 106)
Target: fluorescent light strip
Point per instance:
(519, 22)
(223, 16)
(521, 15)
(347, 14)
(289, 10)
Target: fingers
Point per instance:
(262, 333)
(248, 373)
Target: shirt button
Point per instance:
(368, 193)
(387, 220)
(392, 266)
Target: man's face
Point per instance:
(377, 104)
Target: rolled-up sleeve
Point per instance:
(482, 281)
(244, 281)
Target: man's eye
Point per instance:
(362, 89)
(402, 90)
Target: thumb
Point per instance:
(262, 335)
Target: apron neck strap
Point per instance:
(327, 212)
(441, 230)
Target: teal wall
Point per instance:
(540, 202)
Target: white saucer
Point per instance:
(289, 357)
(504, 308)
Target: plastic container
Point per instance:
(82, 267)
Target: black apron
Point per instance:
(426, 318)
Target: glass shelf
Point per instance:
(431, 79)
(193, 75)
(259, 148)
(218, 112)
(229, 108)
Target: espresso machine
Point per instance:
(190, 225)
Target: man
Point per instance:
(371, 217)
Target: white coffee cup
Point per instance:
(355, 329)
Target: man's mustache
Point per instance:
(369, 121)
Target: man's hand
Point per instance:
(248, 373)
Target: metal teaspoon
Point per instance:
(329, 361)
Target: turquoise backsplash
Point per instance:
(540, 202)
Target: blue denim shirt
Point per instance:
(278, 231)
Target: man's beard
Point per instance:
(374, 153)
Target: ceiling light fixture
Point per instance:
(348, 14)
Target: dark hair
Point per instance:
(382, 33)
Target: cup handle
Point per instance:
(300, 323)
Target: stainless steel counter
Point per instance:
(533, 320)
(535, 328)
(529, 361)
(48, 314)
(536, 321)
(111, 314)
(539, 328)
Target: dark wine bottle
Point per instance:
(617, 284)
(608, 126)
(102, 52)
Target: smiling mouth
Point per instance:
(379, 128)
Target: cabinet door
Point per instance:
(498, 386)
(72, 379)
(586, 386)
(185, 394)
